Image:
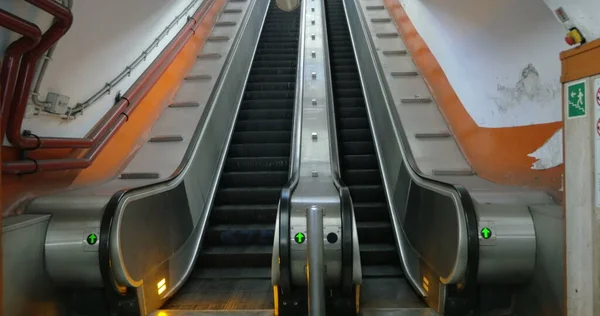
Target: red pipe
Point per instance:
(119, 114)
(10, 64)
(62, 23)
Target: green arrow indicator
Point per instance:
(300, 238)
(92, 239)
(486, 233)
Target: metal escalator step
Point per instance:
(367, 193)
(273, 114)
(243, 214)
(347, 84)
(269, 94)
(358, 148)
(365, 176)
(240, 234)
(347, 135)
(366, 212)
(268, 104)
(270, 86)
(272, 78)
(264, 125)
(378, 254)
(236, 256)
(350, 112)
(345, 76)
(261, 137)
(353, 123)
(278, 51)
(360, 161)
(277, 56)
(259, 150)
(254, 178)
(342, 101)
(375, 232)
(274, 63)
(349, 93)
(340, 69)
(382, 271)
(233, 273)
(273, 71)
(257, 164)
(247, 196)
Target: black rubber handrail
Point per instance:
(285, 200)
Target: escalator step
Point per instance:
(257, 164)
(260, 178)
(360, 161)
(366, 193)
(375, 232)
(364, 176)
(354, 123)
(271, 86)
(272, 114)
(269, 94)
(271, 78)
(378, 254)
(368, 212)
(267, 104)
(360, 135)
(243, 214)
(358, 148)
(264, 125)
(259, 150)
(241, 235)
(236, 256)
(261, 137)
(341, 102)
(349, 112)
(233, 273)
(382, 271)
(247, 196)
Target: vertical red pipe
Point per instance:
(18, 105)
(10, 63)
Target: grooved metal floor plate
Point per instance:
(223, 294)
(386, 293)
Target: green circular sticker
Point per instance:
(92, 239)
(300, 238)
(486, 233)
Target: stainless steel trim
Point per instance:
(297, 136)
(118, 266)
(315, 259)
(459, 269)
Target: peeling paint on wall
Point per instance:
(501, 57)
(550, 154)
(529, 88)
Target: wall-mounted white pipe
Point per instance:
(42, 71)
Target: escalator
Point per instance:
(233, 268)
(383, 283)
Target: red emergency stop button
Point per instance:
(574, 37)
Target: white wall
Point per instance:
(501, 57)
(106, 36)
(584, 14)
